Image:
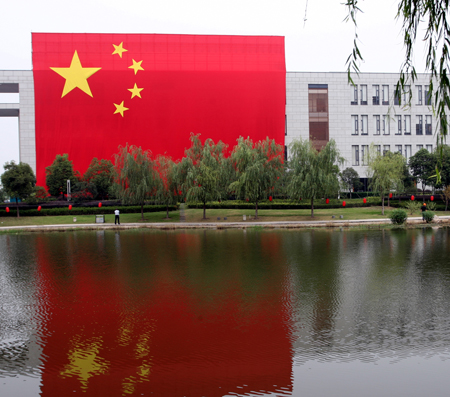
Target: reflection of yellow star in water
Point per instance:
(135, 91)
(118, 49)
(136, 66)
(76, 76)
(120, 108)
(84, 362)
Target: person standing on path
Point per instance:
(116, 217)
(423, 209)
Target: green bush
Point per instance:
(413, 206)
(398, 217)
(428, 216)
(431, 206)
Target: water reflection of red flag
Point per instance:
(165, 327)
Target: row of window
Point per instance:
(381, 124)
(364, 154)
(361, 91)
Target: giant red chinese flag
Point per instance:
(94, 92)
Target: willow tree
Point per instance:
(201, 171)
(387, 173)
(258, 166)
(136, 177)
(168, 189)
(314, 174)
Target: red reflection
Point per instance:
(162, 337)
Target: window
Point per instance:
(354, 125)
(386, 148)
(376, 95)
(354, 100)
(419, 125)
(385, 95)
(428, 129)
(429, 148)
(407, 152)
(419, 147)
(378, 149)
(363, 94)
(399, 125)
(365, 154)
(398, 148)
(397, 98)
(407, 125)
(364, 125)
(406, 93)
(376, 125)
(355, 155)
(419, 94)
(427, 95)
(386, 130)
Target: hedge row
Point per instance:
(286, 205)
(85, 210)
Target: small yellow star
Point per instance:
(76, 76)
(136, 66)
(118, 49)
(120, 108)
(135, 91)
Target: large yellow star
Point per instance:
(118, 49)
(135, 91)
(76, 76)
(120, 108)
(136, 66)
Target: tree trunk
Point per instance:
(256, 209)
(312, 207)
(389, 202)
(17, 206)
(350, 191)
(382, 205)
(204, 210)
(142, 211)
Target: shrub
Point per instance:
(413, 206)
(428, 216)
(431, 206)
(398, 217)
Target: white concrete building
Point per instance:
(319, 106)
(324, 106)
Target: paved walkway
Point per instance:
(216, 225)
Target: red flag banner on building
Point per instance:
(94, 92)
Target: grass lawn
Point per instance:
(195, 215)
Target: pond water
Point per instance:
(225, 313)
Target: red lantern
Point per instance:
(199, 185)
(39, 208)
(180, 193)
(270, 198)
(344, 203)
(70, 206)
(327, 201)
(364, 200)
(412, 198)
(432, 198)
(7, 209)
(99, 205)
(247, 199)
(390, 195)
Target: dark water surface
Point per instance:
(223, 313)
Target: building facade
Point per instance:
(319, 106)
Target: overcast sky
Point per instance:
(321, 41)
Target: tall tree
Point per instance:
(258, 166)
(313, 174)
(168, 191)
(136, 177)
(58, 173)
(101, 174)
(350, 179)
(201, 171)
(423, 167)
(387, 173)
(18, 181)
